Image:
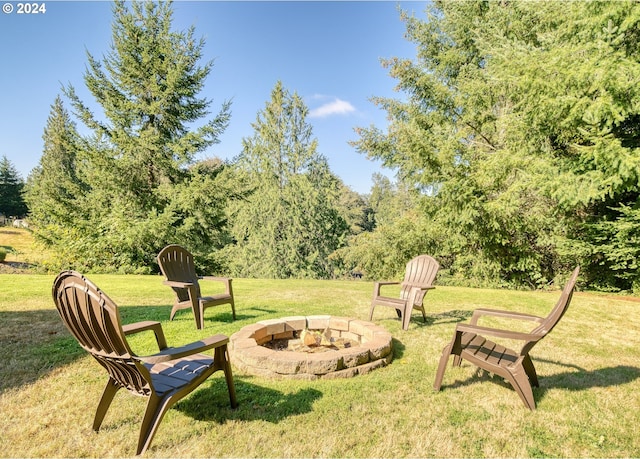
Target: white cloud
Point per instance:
(337, 107)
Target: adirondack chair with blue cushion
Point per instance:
(164, 378)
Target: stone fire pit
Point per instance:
(363, 347)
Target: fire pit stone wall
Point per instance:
(374, 348)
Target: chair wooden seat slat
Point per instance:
(469, 343)
(164, 378)
(420, 274)
(177, 266)
(492, 353)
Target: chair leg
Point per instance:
(233, 309)
(107, 397)
(444, 358)
(406, 316)
(531, 371)
(424, 315)
(371, 308)
(178, 306)
(156, 408)
(222, 360)
(174, 309)
(198, 315)
(520, 382)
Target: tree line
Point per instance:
(515, 140)
(12, 202)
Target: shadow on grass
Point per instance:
(32, 344)
(582, 380)
(398, 348)
(35, 343)
(262, 310)
(211, 403)
(131, 314)
(446, 317)
(217, 314)
(570, 380)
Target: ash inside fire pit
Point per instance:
(310, 347)
(311, 341)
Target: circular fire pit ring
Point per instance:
(370, 347)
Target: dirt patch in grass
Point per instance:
(15, 267)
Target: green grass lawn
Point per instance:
(588, 399)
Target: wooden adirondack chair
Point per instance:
(469, 343)
(164, 378)
(176, 263)
(418, 280)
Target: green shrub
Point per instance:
(3, 254)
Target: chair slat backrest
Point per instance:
(177, 264)
(421, 271)
(561, 306)
(93, 319)
(554, 316)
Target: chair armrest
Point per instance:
(217, 278)
(173, 353)
(497, 332)
(226, 280)
(413, 292)
(154, 326)
(377, 285)
(425, 287)
(178, 284)
(504, 314)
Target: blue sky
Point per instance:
(328, 52)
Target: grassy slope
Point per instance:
(20, 248)
(587, 403)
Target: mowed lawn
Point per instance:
(588, 402)
(588, 399)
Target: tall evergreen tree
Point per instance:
(584, 113)
(54, 188)
(12, 202)
(290, 224)
(518, 128)
(142, 189)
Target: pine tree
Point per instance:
(143, 189)
(12, 203)
(290, 224)
(149, 97)
(519, 128)
(54, 188)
